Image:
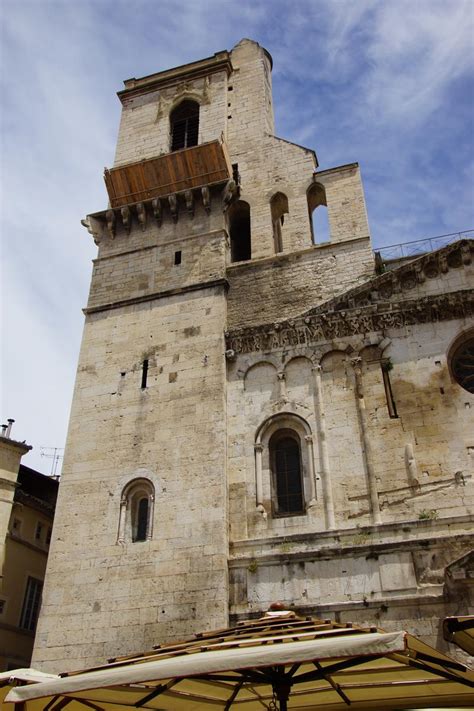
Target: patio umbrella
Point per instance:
(9, 679)
(460, 631)
(280, 661)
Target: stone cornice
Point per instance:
(33, 502)
(372, 307)
(214, 283)
(8, 443)
(220, 61)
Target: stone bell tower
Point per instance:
(200, 189)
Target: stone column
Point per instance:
(151, 516)
(282, 394)
(323, 449)
(122, 521)
(258, 476)
(312, 479)
(366, 445)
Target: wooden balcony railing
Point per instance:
(175, 172)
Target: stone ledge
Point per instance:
(426, 527)
(157, 295)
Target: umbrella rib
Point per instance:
(156, 692)
(441, 662)
(334, 685)
(332, 669)
(447, 675)
(293, 669)
(230, 701)
(57, 703)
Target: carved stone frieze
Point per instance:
(319, 328)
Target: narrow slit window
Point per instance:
(177, 258)
(38, 531)
(144, 373)
(391, 405)
(235, 173)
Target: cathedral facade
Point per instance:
(258, 415)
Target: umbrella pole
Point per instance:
(282, 693)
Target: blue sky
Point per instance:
(388, 83)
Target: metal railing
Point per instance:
(421, 246)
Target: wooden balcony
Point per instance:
(189, 168)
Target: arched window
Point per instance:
(184, 125)
(284, 466)
(136, 512)
(278, 208)
(318, 213)
(285, 460)
(238, 217)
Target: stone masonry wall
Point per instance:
(103, 598)
(285, 285)
(145, 128)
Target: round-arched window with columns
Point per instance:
(284, 466)
(136, 511)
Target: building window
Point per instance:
(16, 526)
(278, 208)
(318, 213)
(38, 531)
(31, 604)
(285, 481)
(238, 217)
(2, 606)
(136, 512)
(461, 362)
(184, 125)
(285, 460)
(48, 535)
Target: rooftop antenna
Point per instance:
(55, 454)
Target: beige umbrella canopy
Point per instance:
(460, 631)
(280, 661)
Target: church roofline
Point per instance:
(372, 306)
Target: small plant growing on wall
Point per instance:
(428, 514)
(252, 566)
(387, 365)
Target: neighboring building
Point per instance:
(27, 501)
(257, 415)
